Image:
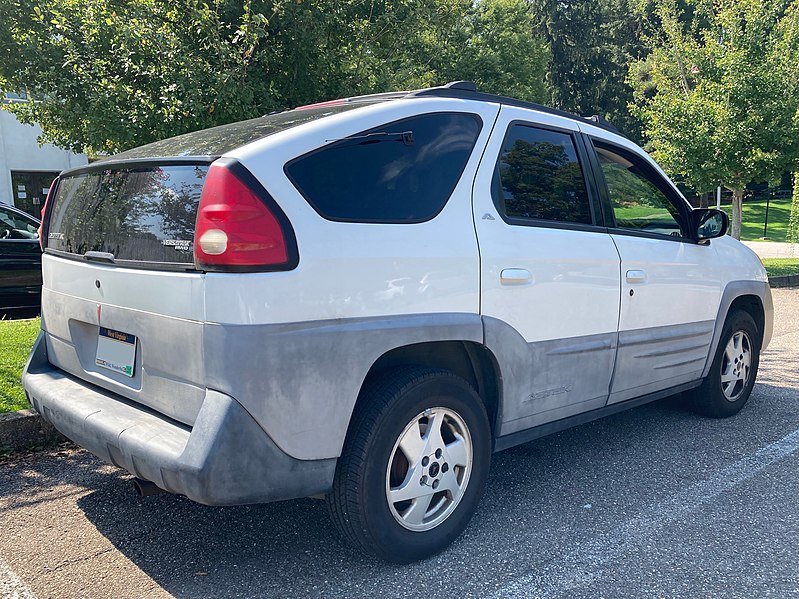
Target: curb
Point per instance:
(787, 281)
(25, 429)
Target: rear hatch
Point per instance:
(122, 303)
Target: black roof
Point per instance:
(468, 90)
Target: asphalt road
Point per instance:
(654, 502)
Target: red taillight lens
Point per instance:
(235, 227)
(50, 193)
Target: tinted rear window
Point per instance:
(136, 214)
(403, 171)
(538, 177)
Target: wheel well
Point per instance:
(753, 306)
(471, 361)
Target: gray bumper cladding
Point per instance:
(224, 459)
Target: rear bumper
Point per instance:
(226, 458)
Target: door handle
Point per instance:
(100, 256)
(515, 276)
(636, 276)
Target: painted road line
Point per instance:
(582, 567)
(11, 585)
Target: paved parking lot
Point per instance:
(655, 502)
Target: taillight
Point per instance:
(239, 227)
(50, 193)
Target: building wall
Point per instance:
(20, 151)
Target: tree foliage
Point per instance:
(109, 75)
(714, 94)
(591, 45)
(792, 234)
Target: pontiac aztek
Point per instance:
(363, 299)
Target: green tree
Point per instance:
(109, 75)
(788, 47)
(792, 235)
(591, 45)
(714, 96)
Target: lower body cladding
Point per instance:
(225, 458)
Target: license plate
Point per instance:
(116, 351)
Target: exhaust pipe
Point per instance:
(145, 488)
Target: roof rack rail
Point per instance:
(468, 90)
(601, 121)
(469, 86)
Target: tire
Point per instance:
(400, 415)
(729, 383)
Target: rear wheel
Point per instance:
(729, 383)
(414, 465)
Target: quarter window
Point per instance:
(401, 172)
(538, 177)
(637, 202)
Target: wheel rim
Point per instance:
(429, 469)
(736, 365)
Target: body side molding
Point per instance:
(530, 434)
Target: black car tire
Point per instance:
(716, 397)
(389, 410)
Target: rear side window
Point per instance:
(538, 177)
(402, 172)
(144, 215)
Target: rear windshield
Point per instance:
(218, 140)
(144, 215)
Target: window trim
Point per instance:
(596, 226)
(652, 175)
(371, 221)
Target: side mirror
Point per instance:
(708, 223)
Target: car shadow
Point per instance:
(545, 490)
(19, 313)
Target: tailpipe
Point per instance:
(145, 488)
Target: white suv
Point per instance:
(365, 298)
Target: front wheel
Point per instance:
(729, 383)
(414, 465)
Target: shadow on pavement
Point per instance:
(542, 499)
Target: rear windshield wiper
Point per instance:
(406, 137)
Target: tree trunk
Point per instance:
(737, 210)
(793, 221)
(703, 199)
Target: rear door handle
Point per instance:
(515, 276)
(636, 276)
(100, 256)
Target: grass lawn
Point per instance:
(754, 216)
(781, 267)
(16, 340)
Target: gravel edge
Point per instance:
(26, 429)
